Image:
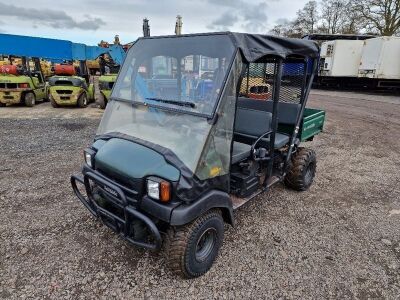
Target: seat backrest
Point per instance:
(252, 122)
(287, 112)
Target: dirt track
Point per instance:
(340, 239)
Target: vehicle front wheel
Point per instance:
(53, 102)
(82, 100)
(2, 104)
(30, 99)
(302, 169)
(192, 249)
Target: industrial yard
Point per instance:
(340, 239)
(212, 150)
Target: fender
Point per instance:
(186, 213)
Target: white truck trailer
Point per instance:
(371, 63)
(341, 58)
(380, 61)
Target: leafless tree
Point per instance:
(382, 16)
(287, 29)
(307, 18)
(353, 22)
(333, 17)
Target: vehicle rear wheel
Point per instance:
(192, 249)
(2, 104)
(102, 101)
(302, 169)
(30, 99)
(82, 100)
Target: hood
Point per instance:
(127, 160)
(66, 81)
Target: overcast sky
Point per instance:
(91, 21)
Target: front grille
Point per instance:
(63, 83)
(132, 190)
(64, 92)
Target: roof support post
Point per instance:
(300, 113)
(274, 125)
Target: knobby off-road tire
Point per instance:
(82, 100)
(302, 169)
(30, 99)
(192, 249)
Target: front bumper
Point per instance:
(121, 224)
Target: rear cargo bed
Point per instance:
(313, 123)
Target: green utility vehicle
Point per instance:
(106, 83)
(21, 85)
(176, 153)
(67, 89)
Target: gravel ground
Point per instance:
(340, 239)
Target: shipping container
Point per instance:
(380, 58)
(340, 58)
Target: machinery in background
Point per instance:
(28, 85)
(358, 62)
(106, 83)
(109, 69)
(178, 25)
(70, 86)
(22, 82)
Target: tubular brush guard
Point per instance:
(118, 224)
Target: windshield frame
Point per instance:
(209, 116)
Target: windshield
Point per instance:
(176, 73)
(184, 134)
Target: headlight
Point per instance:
(153, 189)
(159, 189)
(89, 157)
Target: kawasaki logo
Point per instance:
(111, 191)
(310, 126)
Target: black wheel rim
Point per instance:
(309, 173)
(205, 244)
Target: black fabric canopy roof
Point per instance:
(255, 46)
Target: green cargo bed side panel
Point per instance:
(133, 161)
(313, 123)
